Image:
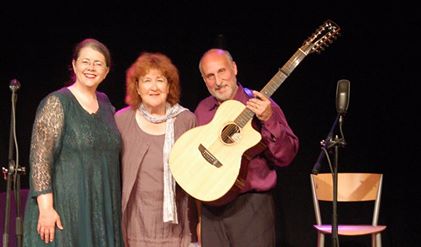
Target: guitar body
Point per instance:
(209, 180)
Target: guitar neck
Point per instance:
(283, 73)
(273, 84)
(317, 42)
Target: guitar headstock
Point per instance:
(321, 38)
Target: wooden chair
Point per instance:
(352, 187)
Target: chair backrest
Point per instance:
(352, 187)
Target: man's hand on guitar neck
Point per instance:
(260, 105)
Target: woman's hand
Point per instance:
(48, 218)
(199, 237)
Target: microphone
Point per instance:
(342, 96)
(14, 85)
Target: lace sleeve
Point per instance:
(47, 129)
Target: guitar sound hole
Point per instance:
(230, 134)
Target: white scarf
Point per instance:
(169, 205)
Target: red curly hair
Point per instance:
(143, 64)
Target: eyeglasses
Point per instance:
(88, 63)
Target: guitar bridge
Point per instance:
(209, 157)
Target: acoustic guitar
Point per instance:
(210, 162)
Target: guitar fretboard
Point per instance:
(274, 83)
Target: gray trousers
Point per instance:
(248, 221)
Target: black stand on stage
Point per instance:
(327, 144)
(13, 172)
(334, 141)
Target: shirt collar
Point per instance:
(240, 95)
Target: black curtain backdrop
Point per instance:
(377, 52)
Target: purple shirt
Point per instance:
(281, 143)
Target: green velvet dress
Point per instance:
(75, 155)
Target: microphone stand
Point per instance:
(13, 171)
(323, 143)
(328, 144)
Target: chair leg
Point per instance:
(320, 239)
(376, 240)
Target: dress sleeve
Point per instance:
(46, 132)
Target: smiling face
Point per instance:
(153, 88)
(90, 68)
(219, 72)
